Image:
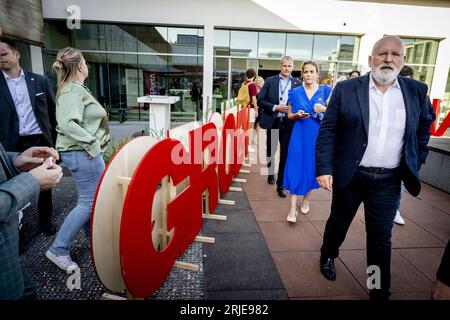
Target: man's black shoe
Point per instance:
(327, 268)
(48, 228)
(270, 179)
(281, 192)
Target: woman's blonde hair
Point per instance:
(66, 66)
(259, 78)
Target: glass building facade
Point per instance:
(235, 51)
(421, 56)
(126, 61)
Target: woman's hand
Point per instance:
(302, 114)
(319, 108)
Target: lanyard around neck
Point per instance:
(283, 90)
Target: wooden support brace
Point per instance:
(124, 180)
(235, 189)
(186, 266)
(246, 165)
(240, 180)
(214, 217)
(227, 202)
(244, 171)
(109, 296)
(205, 239)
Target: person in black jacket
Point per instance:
(272, 104)
(27, 106)
(373, 136)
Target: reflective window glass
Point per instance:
(348, 48)
(299, 46)
(424, 74)
(421, 51)
(220, 78)
(152, 39)
(57, 35)
(183, 40)
(89, 37)
(244, 43)
(271, 45)
(221, 42)
(325, 47)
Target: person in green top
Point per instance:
(83, 135)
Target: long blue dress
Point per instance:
(300, 171)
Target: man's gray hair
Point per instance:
(287, 58)
(380, 41)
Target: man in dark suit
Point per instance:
(273, 101)
(27, 106)
(17, 188)
(374, 134)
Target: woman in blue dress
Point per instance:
(307, 105)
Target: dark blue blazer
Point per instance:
(42, 100)
(343, 133)
(270, 96)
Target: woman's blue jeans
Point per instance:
(86, 174)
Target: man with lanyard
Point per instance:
(273, 101)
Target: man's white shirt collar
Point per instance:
(22, 75)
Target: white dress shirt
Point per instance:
(386, 127)
(19, 92)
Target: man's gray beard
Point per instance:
(384, 77)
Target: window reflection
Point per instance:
(348, 48)
(118, 79)
(243, 43)
(299, 46)
(271, 45)
(221, 42)
(325, 47)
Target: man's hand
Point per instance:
(47, 177)
(326, 182)
(33, 157)
(282, 108)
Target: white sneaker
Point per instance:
(63, 262)
(398, 218)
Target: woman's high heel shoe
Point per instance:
(294, 219)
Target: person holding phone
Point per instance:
(306, 106)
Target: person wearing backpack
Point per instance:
(273, 101)
(247, 92)
(247, 96)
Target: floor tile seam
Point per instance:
(414, 266)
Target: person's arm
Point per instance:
(51, 105)
(326, 141)
(69, 121)
(292, 116)
(426, 118)
(16, 192)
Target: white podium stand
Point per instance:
(159, 112)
